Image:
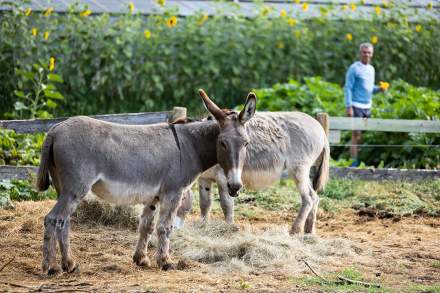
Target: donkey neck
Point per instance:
(202, 138)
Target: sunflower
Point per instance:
(131, 7)
(147, 34)
(172, 21)
(51, 64)
(291, 21)
(85, 13)
(48, 11)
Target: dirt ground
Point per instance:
(398, 253)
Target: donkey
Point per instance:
(279, 141)
(129, 164)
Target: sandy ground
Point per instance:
(394, 252)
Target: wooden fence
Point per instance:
(334, 124)
(391, 125)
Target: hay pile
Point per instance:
(92, 211)
(225, 248)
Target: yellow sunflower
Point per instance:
(172, 21)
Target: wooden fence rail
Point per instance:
(43, 125)
(391, 125)
(336, 124)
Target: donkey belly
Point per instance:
(125, 192)
(259, 179)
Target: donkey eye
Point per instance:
(223, 144)
(246, 144)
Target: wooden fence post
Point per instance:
(177, 113)
(322, 118)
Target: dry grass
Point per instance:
(92, 212)
(258, 256)
(227, 248)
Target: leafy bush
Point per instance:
(21, 190)
(401, 101)
(132, 63)
(37, 92)
(20, 149)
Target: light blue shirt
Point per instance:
(359, 85)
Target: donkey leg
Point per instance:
(227, 204)
(49, 264)
(56, 224)
(146, 228)
(311, 218)
(302, 181)
(205, 198)
(168, 210)
(63, 232)
(184, 209)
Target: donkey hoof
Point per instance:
(141, 260)
(54, 271)
(295, 231)
(71, 268)
(144, 262)
(168, 266)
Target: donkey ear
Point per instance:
(249, 108)
(212, 107)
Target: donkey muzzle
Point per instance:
(233, 189)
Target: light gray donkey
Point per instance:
(129, 164)
(279, 141)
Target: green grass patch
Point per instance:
(340, 189)
(399, 198)
(333, 284)
(385, 198)
(424, 288)
(283, 195)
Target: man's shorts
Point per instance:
(362, 113)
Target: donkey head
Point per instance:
(232, 139)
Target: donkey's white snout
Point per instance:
(234, 182)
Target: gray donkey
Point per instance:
(279, 141)
(129, 164)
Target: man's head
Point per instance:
(366, 52)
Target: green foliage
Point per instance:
(339, 189)
(17, 190)
(111, 64)
(385, 198)
(37, 93)
(333, 284)
(20, 149)
(391, 199)
(401, 101)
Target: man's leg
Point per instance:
(355, 139)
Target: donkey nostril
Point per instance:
(233, 188)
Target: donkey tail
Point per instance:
(323, 172)
(43, 180)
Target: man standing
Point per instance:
(358, 90)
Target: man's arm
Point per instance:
(348, 90)
(377, 89)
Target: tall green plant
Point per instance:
(37, 93)
(136, 63)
